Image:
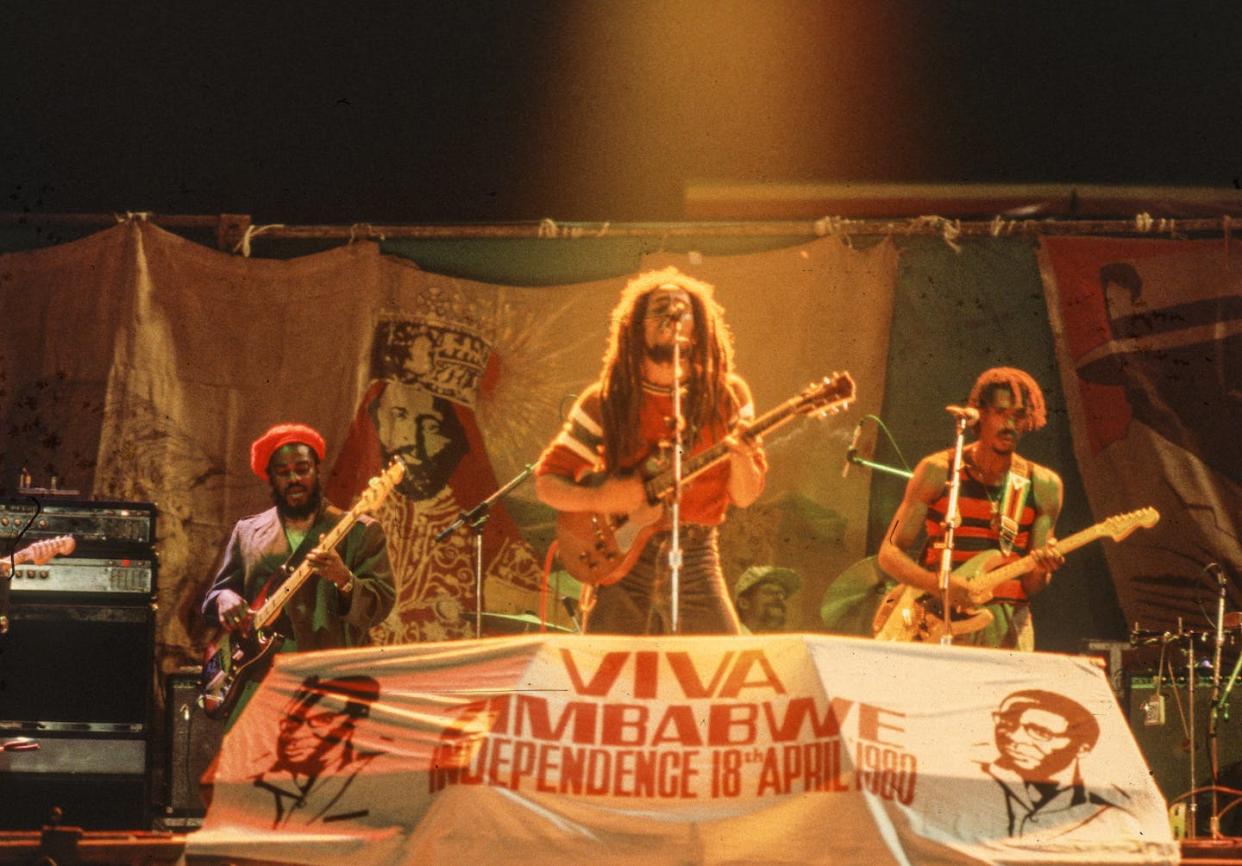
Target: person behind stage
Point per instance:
(621, 421)
(761, 596)
(1005, 502)
(353, 590)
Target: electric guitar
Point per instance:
(909, 614)
(235, 658)
(600, 549)
(39, 552)
(35, 554)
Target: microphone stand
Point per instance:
(952, 520)
(476, 520)
(674, 505)
(1213, 714)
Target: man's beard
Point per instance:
(313, 500)
(662, 353)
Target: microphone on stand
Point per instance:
(1214, 569)
(853, 450)
(967, 413)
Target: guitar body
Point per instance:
(232, 660)
(236, 657)
(600, 549)
(913, 616)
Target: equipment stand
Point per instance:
(476, 520)
(952, 520)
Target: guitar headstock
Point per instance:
(50, 548)
(1119, 526)
(827, 396)
(380, 486)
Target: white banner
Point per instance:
(699, 750)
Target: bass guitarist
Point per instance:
(1006, 502)
(354, 588)
(620, 423)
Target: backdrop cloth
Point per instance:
(705, 750)
(140, 365)
(1149, 340)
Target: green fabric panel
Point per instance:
(555, 261)
(955, 315)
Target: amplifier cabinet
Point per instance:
(193, 741)
(1167, 746)
(77, 664)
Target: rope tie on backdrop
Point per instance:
(366, 229)
(1001, 226)
(833, 226)
(950, 230)
(253, 231)
(131, 215)
(1144, 222)
(548, 229)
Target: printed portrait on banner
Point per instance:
(315, 762)
(426, 370)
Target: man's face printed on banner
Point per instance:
(423, 432)
(1037, 743)
(316, 729)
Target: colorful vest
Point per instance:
(979, 530)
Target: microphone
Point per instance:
(853, 450)
(1214, 569)
(967, 413)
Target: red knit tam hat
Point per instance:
(262, 449)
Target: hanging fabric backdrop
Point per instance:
(1149, 338)
(139, 365)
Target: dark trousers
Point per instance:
(641, 603)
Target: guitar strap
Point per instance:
(1013, 499)
(291, 564)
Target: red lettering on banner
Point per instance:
(870, 723)
(800, 709)
(722, 719)
(737, 677)
(691, 684)
(620, 719)
(605, 675)
(646, 674)
(533, 711)
(682, 718)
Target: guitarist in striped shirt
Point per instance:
(1006, 502)
(618, 425)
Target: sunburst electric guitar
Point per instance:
(234, 658)
(600, 549)
(909, 614)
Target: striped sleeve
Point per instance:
(577, 447)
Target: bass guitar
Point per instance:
(237, 657)
(600, 549)
(909, 614)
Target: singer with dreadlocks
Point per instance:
(1005, 502)
(625, 419)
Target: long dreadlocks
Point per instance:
(708, 360)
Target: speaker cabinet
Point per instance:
(193, 743)
(76, 678)
(1166, 746)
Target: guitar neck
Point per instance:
(267, 614)
(1019, 567)
(659, 485)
